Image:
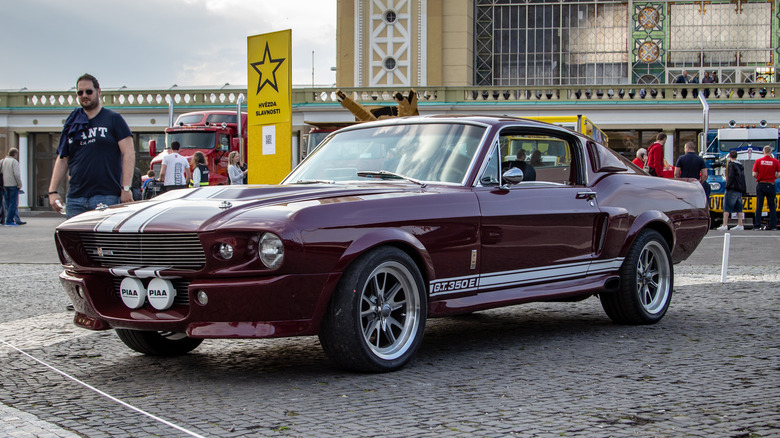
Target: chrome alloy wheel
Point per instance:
(390, 310)
(653, 277)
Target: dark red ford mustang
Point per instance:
(385, 225)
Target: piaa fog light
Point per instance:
(226, 251)
(271, 250)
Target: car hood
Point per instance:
(207, 208)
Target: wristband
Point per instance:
(54, 193)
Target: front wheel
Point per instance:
(158, 343)
(646, 282)
(376, 317)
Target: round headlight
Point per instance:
(226, 251)
(715, 186)
(271, 250)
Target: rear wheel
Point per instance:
(158, 343)
(376, 317)
(647, 280)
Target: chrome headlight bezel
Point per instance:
(715, 186)
(225, 251)
(270, 250)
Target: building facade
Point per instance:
(548, 42)
(616, 62)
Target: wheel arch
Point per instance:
(400, 239)
(650, 220)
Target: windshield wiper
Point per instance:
(315, 181)
(389, 175)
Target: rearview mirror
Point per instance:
(153, 148)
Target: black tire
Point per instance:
(376, 317)
(158, 343)
(646, 282)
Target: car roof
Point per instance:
(470, 119)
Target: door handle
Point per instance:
(586, 195)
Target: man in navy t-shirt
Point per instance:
(96, 146)
(691, 165)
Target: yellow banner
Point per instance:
(269, 104)
(748, 204)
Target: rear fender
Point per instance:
(654, 220)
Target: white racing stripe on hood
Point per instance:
(205, 194)
(142, 218)
(107, 224)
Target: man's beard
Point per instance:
(93, 103)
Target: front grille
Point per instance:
(179, 251)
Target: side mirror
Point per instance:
(513, 175)
(153, 148)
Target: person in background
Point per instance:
(96, 149)
(683, 79)
(766, 170)
(12, 184)
(135, 187)
(691, 165)
(529, 173)
(536, 158)
(655, 156)
(695, 80)
(151, 186)
(707, 79)
(641, 158)
(200, 172)
(175, 169)
(150, 177)
(235, 171)
(735, 188)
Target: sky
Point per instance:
(154, 44)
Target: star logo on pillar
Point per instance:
(267, 70)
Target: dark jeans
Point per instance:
(76, 206)
(765, 190)
(11, 196)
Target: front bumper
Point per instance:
(287, 305)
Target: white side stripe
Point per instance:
(521, 277)
(602, 266)
(524, 276)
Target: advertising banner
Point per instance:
(269, 107)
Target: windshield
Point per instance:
(432, 152)
(191, 140)
(315, 138)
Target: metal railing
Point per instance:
(228, 97)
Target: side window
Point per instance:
(491, 175)
(542, 156)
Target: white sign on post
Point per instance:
(269, 140)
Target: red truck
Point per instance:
(215, 133)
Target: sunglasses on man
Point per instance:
(81, 92)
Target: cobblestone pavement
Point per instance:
(710, 368)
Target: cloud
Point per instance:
(158, 43)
